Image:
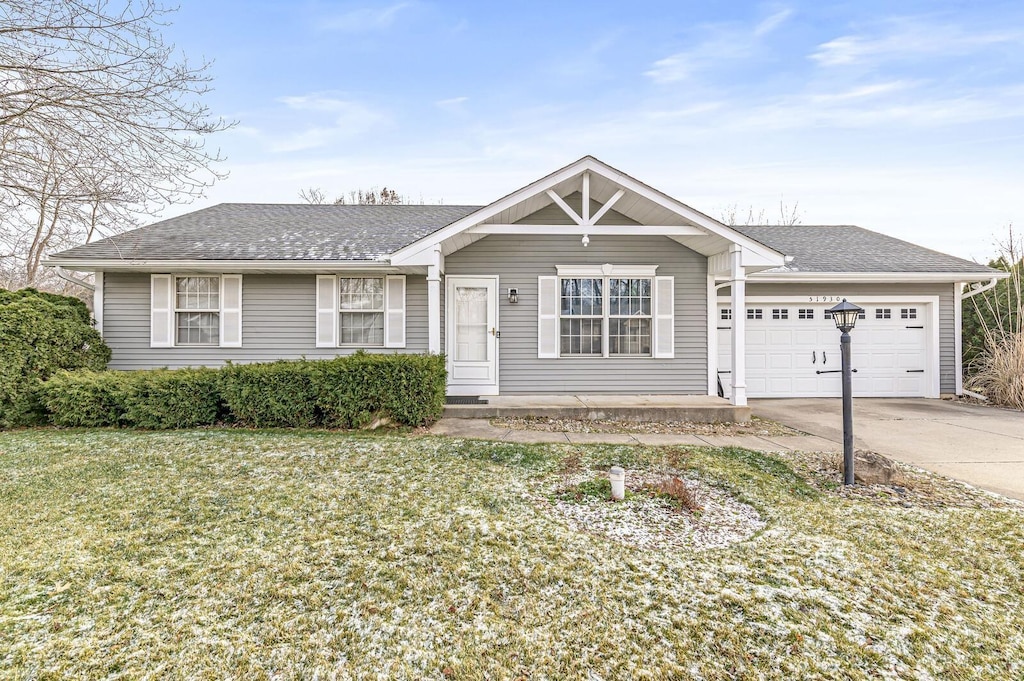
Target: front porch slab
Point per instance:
(697, 408)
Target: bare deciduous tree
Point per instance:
(361, 197)
(101, 123)
(788, 215)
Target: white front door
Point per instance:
(472, 335)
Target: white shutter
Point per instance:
(161, 311)
(664, 308)
(326, 311)
(231, 311)
(394, 311)
(547, 317)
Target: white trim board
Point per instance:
(869, 277)
(607, 270)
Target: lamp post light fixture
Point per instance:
(845, 316)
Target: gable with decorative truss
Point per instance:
(589, 198)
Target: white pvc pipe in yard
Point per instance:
(618, 477)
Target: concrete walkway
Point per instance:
(483, 430)
(982, 446)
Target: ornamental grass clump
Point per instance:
(998, 373)
(997, 370)
(680, 494)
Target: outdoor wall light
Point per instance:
(513, 295)
(586, 240)
(845, 316)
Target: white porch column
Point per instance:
(738, 289)
(958, 335)
(434, 304)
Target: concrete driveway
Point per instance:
(983, 446)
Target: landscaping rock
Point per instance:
(871, 468)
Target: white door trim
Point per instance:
(458, 386)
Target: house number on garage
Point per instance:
(824, 299)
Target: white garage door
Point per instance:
(789, 343)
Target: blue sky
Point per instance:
(903, 117)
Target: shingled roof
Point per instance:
(296, 232)
(262, 231)
(846, 248)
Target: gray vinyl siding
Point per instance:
(518, 260)
(278, 322)
(947, 302)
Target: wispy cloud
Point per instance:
(909, 38)
(718, 43)
(328, 119)
(452, 105)
(863, 92)
(772, 22)
(365, 18)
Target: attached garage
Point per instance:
(792, 347)
(907, 343)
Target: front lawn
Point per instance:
(242, 554)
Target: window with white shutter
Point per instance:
(606, 311)
(360, 312)
(195, 310)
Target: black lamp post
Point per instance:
(845, 315)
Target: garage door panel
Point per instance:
(910, 360)
(757, 386)
(911, 384)
(879, 337)
(882, 360)
(784, 355)
(808, 337)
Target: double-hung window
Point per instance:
(606, 311)
(581, 328)
(192, 310)
(361, 309)
(365, 311)
(197, 310)
(629, 317)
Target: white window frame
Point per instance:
(603, 274)
(175, 310)
(328, 310)
(382, 311)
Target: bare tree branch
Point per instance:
(101, 124)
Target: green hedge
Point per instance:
(345, 392)
(361, 388)
(159, 399)
(41, 334)
(277, 394)
(89, 399)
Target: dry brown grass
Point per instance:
(999, 371)
(676, 489)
